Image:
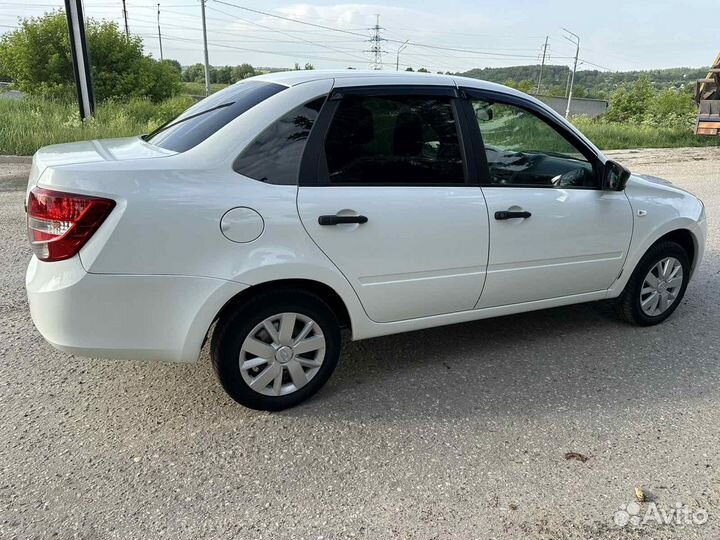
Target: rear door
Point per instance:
(387, 194)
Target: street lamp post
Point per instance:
(397, 58)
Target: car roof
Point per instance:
(380, 77)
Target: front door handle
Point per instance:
(337, 220)
(508, 214)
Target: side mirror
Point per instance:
(614, 176)
(484, 114)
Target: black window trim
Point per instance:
(313, 166)
(537, 111)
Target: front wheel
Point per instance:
(276, 350)
(657, 285)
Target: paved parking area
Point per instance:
(455, 432)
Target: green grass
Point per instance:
(198, 89)
(612, 136)
(30, 123)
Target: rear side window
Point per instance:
(274, 157)
(209, 115)
(403, 139)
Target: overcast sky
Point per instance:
(453, 35)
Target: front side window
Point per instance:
(404, 139)
(206, 117)
(524, 150)
(275, 155)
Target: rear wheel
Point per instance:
(276, 350)
(657, 285)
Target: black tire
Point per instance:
(628, 303)
(232, 330)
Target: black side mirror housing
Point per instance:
(614, 176)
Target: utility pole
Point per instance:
(397, 58)
(567, 83)
(80, 61)
(207, 62)
(127, 32)
(542, 65)
(375, 45)
(159, 34)
(576, 41)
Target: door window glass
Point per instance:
(524, 150)
(400, 139)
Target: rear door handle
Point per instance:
(507, 214)
(337, 220)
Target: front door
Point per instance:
(391, 202)
(553, 231)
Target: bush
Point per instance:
(33, 122)
(640, 105)
(38, 59)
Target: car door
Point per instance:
(553, 231)
(387, 194)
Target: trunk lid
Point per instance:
(92, 151)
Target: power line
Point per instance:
(268, 14)
(322, 45)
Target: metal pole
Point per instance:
(127, 32)
(542, 65)
(80, 60)
(397, 59)
(567, 83)
(207, 62)
(159, 34)
(576, 41)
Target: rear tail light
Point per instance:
(59, 224)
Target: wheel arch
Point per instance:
(685, 233)
(685, 238)
(322, 290)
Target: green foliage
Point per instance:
(640, 104)
(220, 75)
(175, 65)
(422, 70)
(198, 88)
(243, 71)
(33, 122)
(630, 103)
(525, 85)
(594, 83)
(38, 59)
(612, 135)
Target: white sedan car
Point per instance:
(292, 205)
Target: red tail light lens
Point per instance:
(59, 224)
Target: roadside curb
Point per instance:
(16, 159)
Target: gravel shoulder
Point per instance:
(453, 432)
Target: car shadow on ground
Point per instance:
(578, 357)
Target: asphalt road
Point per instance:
(454, 432)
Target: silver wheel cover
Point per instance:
(282, 354)
(661, 286)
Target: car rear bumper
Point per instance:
(123, 316)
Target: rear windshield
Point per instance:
(207, 116)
